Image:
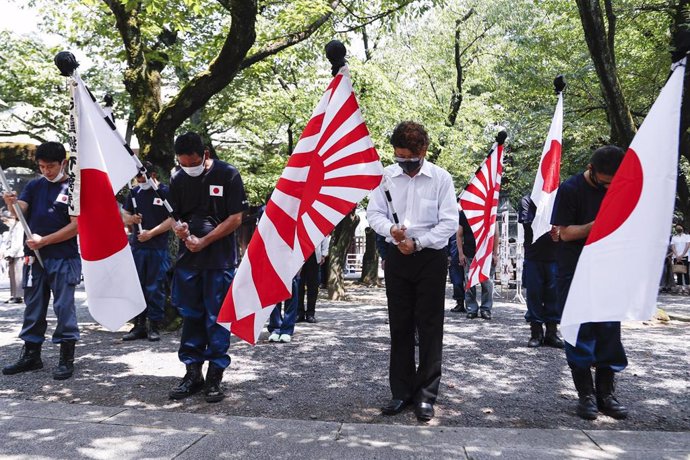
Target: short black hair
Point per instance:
(150, 168)
(607, 159)
(51, 152)
(188, 144)
(410, 135)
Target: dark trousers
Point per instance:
(539, 279)
(284, 322)
(457, 279)
(198, 296)
(152, 266)
(683, 278)
(598, 344)
(60, 276)
(309, 283)
(415, 287)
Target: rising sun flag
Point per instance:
(632, 224)
(332, 168)
(479, 201)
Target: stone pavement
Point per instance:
(40, 430)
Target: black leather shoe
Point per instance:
(65, 367)
(213, 392)
(310, 319)
(192, 382)
(459, 308)
(300, 319)
(471, 315)
(152, 333)
(424, 411)
(29, 360)
(586, 407)
(486, 314)
(394, 406)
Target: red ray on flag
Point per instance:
(332, 168)
(479, 201)
(632, 224)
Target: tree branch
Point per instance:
(611, 36)
(290, 39)
(372, 19)
(220, 72)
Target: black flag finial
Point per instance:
(335, 52)
(559, 83)
(501, 137)
(66, 62)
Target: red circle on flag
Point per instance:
(621, 198)
(216, 190)
(551, 166)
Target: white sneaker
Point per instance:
(285, 338)
(275, 337)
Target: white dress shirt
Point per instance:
(425, 204)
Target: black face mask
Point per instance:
(593, 178)
(410, 166)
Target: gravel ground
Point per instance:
(336, 370)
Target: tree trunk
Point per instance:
(370, 261)
(456, 95)
(679, 35)
(601, 50)
(340, 243)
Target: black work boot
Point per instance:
(586, 405)
(65, 367)
(212, 390)
(537, 335)
(551, 338)
(29, 360)
(192, 382)
(152, 332)
(139, 329)
(606, 400)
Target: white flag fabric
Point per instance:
(633, 224)
(334, 166)
(548, 175)
(110, 277)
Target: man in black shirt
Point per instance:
(208, 196)
(539, 278)
(598, 344)
(150, 251)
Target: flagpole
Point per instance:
(67, 64)
(134, 205)
(19, 214)
(500, 140)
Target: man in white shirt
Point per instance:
(423, 196)
(680, 246)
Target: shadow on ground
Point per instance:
(336, 370)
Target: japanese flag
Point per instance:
(617, 275)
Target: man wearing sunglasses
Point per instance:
(598, 344)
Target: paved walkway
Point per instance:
(39, 430)
(318, 398)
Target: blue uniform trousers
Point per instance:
(152, 266)
(456, 272)
(198, 296)
(598, 344)
(539, 279)
(284, 323)
(60, 276)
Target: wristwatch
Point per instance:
(417, 246)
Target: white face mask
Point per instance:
(144, 185)
(59, 176)
(194, 171)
